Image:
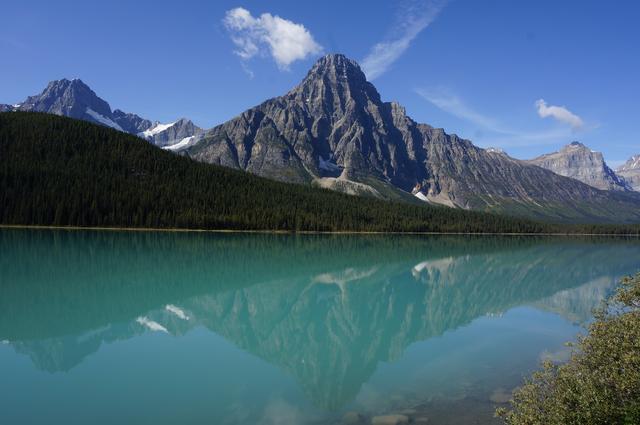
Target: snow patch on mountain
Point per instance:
(495, 150)
(421, 196)
(181, 144)
(632, 164)
(158, 128)
(102, 119)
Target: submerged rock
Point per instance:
(390, 420)
(353, 418)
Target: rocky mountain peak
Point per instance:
(630, 171)
(337, 64)
(333, 131)
(334, 84)
(67, 97)
(578, 161)
(574, 145)
(73, 98)
(632, 164)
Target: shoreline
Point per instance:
(298, 232)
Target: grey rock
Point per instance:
(390, 420)
(630, 171)
(5, 108)
(335, 115)
(71, 98)
(131, 123)
(577, 161)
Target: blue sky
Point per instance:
(527, 76)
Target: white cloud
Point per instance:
(501, 135)
(413, 18)
(286, 41)
(560, 113)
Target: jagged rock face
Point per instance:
(334, 130)
(581, 163)
(332, 125)
(6, 108)
(630, 171)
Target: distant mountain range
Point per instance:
(73, 98)
(334, 131)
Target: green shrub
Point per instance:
(600, 384)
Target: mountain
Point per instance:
(176, 135)
(630, 171)
(73, 98)
(577, 161)
(60, 171)
(131, 123)
(334, 131)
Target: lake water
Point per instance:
(200, 328)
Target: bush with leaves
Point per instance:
(600, 384)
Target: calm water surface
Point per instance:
(188, 328)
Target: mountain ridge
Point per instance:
(58, 171)
(75, 99)
(333, 130)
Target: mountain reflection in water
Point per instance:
(327, 310)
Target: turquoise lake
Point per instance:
(115, 327)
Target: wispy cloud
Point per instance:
(413, 17)
(501, 135)
(559, 113)
(247, 70)
(453, 105)
(284, 40)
